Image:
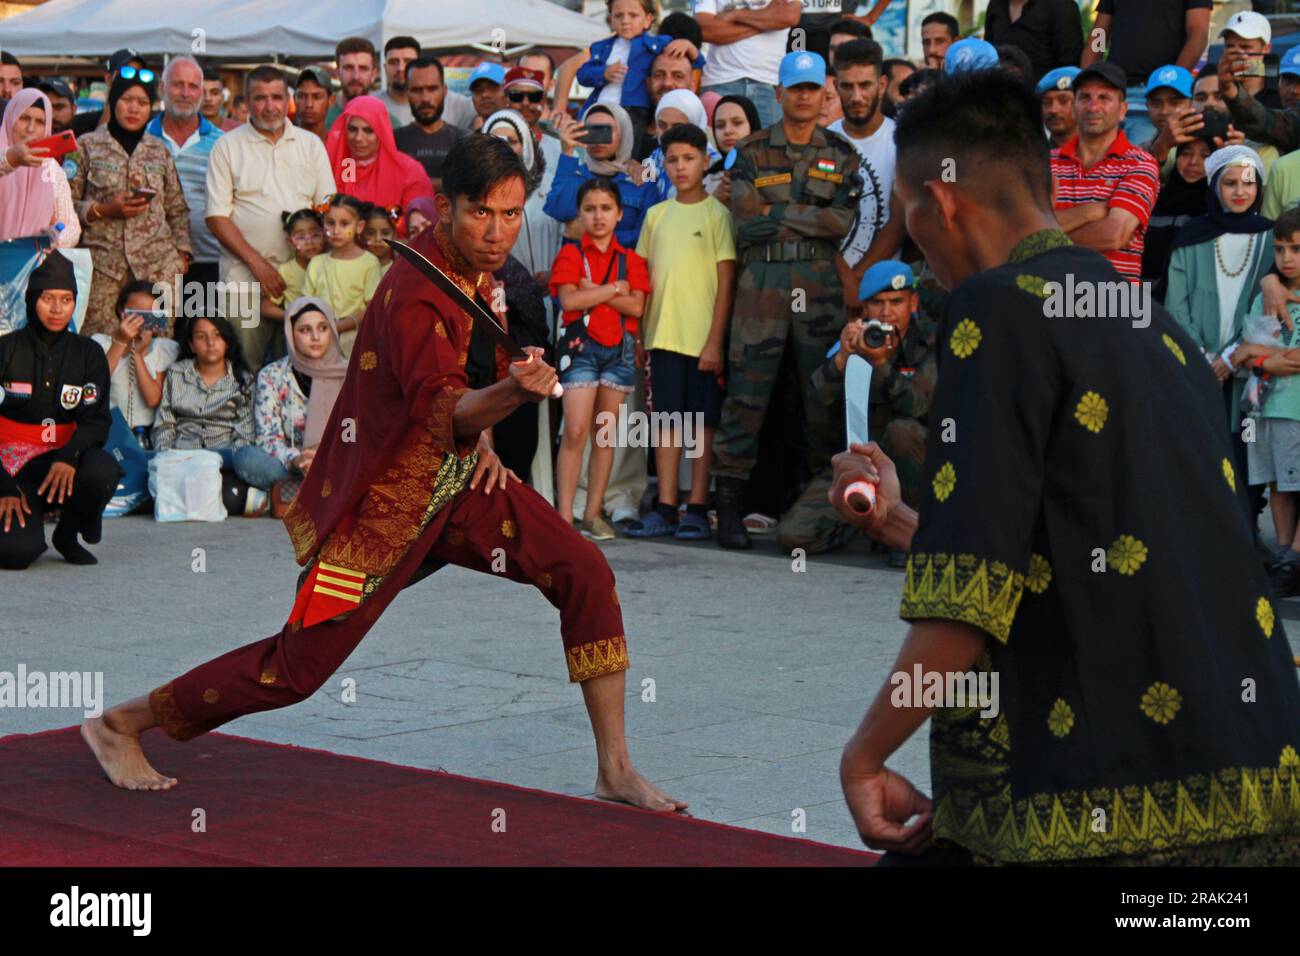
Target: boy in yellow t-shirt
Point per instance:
(688, 245)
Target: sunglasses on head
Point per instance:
(131, 73)
(519, 96)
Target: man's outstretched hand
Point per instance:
(881, 802)
(489, 464)
(865, 463)
(535, 380)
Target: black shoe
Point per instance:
(1285, 579)
(730, 501)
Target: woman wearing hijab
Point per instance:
(1217, 263)
(673, 109)
(34, 198)
(539, 239)
(54, 420)
(420, 215)
(1182, 198)
(129, 200)
(295, 396)
(612, 160)
(732, 118)
(365, 158)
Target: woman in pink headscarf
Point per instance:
(367, 163)
(34, 198)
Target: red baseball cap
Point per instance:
(522, 76)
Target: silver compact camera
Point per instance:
(877, 333)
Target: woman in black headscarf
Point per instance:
(53, 379)
(133, 210)
(1182, 199)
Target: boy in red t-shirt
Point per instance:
(601, 286)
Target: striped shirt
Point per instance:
(1124, 178)
(194, 414)
(191, 160)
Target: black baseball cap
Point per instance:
(1105, 71)
(57, 88)
(121, 58)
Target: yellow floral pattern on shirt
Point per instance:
(1174, 347)
(945, 480)
(1264, 614)
(1161, 702)
(1127, 554)
(1229, 474)
(1034, 285)
(1061, 719)
(965, 338)
(984, 594)
(1091, 411)
(1289, 757)
(1039, 574)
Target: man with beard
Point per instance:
(399, 53)
(896, 71)
(417, 487)
(428, 138)
(1053, 552)
(255, 173)
(190, 139)
(313, 97)
(212, 104)
(526, 93)
(1056, 94)
(860, 83)
(63, 103)
(358, 70)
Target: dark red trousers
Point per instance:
(515, 528)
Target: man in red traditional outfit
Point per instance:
(406, 481)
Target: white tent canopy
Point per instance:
(260, 29)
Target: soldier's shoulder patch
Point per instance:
(776, 179)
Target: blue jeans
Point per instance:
(762, 95)
(253, 465)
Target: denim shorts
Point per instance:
(585, 363)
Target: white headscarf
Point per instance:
(529, 155)
(1236, 155)
(686, 103)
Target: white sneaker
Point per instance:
(624, 513)
(257, 503)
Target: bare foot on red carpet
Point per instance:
(118, 752)
(630, 787)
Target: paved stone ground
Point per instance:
(760, 673)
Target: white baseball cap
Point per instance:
(1249, 26)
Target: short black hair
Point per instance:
(682, 26)
(423, 62)
(855, 28)
(947, 19)
(603, 184)
(984, 125)
(8, 59)
(894, 61)
(402, 43)
(476, 164)
(1014, 60)
(134, 287)
(687, 133)
(917, 81)
(354, 45)
(210, 75)
(1287, 224)
(264, 74)
(859, 52)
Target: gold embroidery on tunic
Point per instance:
(963, 588)
(597, 658)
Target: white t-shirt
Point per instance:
(1232, 248)
(878, 158)
(458, 110)
(753, 58)
(612, 93)
(124, 391)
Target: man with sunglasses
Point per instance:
(84, 123)
(428, 138)
(525, 90)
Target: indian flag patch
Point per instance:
(826, 165)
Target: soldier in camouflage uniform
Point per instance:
(153, 244)
(793, 204)
(902, 383)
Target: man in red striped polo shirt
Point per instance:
(1105, 186)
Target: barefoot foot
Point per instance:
(118, 752)
(628, 786)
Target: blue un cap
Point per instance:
(1175, 77)
(1290, 65)
(488, 71)
(1060, 78)
(802, 66)
(971, 53)
(884, 276)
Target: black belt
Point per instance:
(802, 249)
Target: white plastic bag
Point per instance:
(186, 486)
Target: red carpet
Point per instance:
(268, 804)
